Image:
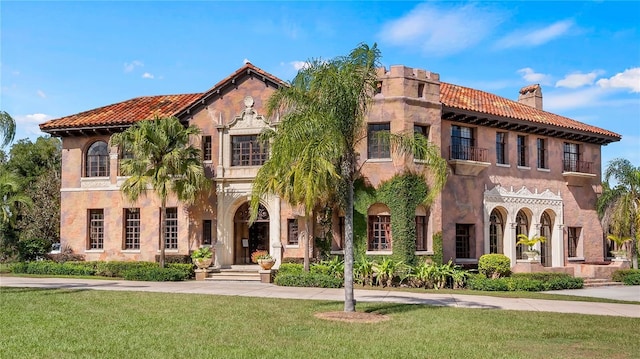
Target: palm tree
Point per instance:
(161, 157)
(11, 198)
(7, 129)
(619, 206)
(314, 157)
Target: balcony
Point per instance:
(468, 160)
(577, 172)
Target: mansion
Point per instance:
(514, 169)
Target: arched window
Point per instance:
(496, 231)
(97, 160)
(522, 227)
(545, 231)
(379, 238)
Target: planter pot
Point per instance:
(619, 254)
(266, 263)
(530, 255)
(203, 263)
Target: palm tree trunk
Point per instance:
(163, 230)
(306, 242)
(349, 299)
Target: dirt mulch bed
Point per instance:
(353, 317)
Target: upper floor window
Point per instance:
(292, 231)
(206, 148)
(522, 151)
(246, 150)
(377, 145)
(97, 160)
(542, 153)
(462, 143)
(571, 157)
(501, 148)
(420, 90)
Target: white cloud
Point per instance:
(529, 75)
(41, 94)
(147, 75)
(578, 79)
(28, 124)
(439, 31)
(535, 37)
(128, 67)
(299, 65)
(587, 97)
(629, 79)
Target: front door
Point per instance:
(248, 239)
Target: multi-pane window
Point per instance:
(573, 238)
(571, 157)
(292, 231)
(545, 231)
(542, 153)
(421, 233)
(496, 228)
(248, 151)
(378, 144)
(96, 229)
(522, 227)
(206, 148)
(463, 240)
(132, 228)
(501, 147)
(171, 228)
(207, 232)
(97, 160)
(462, 143)
(522, 151)
(379, 233)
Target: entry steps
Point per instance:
(596, 282)
(236, 273)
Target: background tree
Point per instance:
(7, 129)
(163, 158)
(29, 160)
(619, 205)
(314, 150)
(11, 199)
(42, 219)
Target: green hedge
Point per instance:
(156, 274)
(530, 282)
(53, 268)
(620, 275)
(632, 279)
(304, 279)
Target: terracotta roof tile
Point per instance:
(469, 99)
(123, 113)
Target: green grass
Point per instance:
(104, 324)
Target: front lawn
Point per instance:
(104, 324)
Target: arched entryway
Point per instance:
(496, 232)
(248, 239)
(522, 227)
(545, 231)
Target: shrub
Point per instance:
(290, 268)
(620, 275)
(530, 282)
(175, 258)
(187, 268)
(320, 269)
(117, 268)
(155, 274)
(33, 248)
(53, 268)
(543, 276)
(304, 279)
(632, 279)
(480, 282)
(494, 265)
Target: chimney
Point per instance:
(531, 96)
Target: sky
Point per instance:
(62, 58)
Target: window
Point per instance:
(171, 228)
(207, 232)
(248, 151)
(377, 145)
(379, 233)
(132, 228)
(496, 230)
(501, 148)
(421, 130)
(545, 231)
(463, 240)
(542, 153)
(97, 160)
(378, 87)
(206, 148)
(421, 233)
(96, 229)
(522, 227)
(572, 241)
(571, 157)
(420, 90)
(292, 232)
(522, 151)
(462, 143)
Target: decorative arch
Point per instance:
(96, 160)
(496, 230)
(522, 227)
(379, 237)
(546, 230)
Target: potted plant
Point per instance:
(263, 258)
(531, 252)
(202, 257)
(619, 253)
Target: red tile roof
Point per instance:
(123, 113)
(469, 99)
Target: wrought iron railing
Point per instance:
(468, 153)
(577, 166)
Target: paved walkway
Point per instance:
(256, 289)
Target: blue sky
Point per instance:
(61, 58)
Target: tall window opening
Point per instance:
(292, 231)
(132, 228)
(571, 157)
(496, 231)
(97, 160)
(377, 145)
(573, 236)
(379, 233)
(542, 153)
(522, 227)
(206, 148)
(463, 240)
(522, 151)
(207, 232)
(248, 151)
(545, 231)
(462, 143)
(421, 233)
(171, 228)
(501, 148)
(96, 229)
